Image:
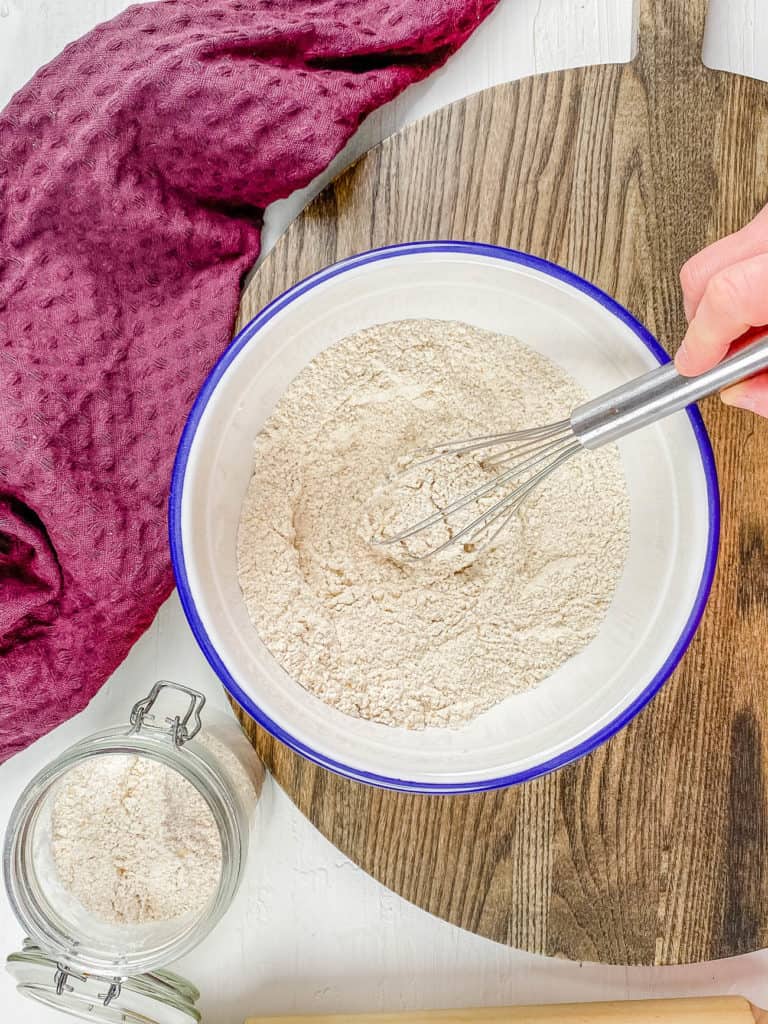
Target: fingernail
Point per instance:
(688, 307)
(683, 355)
(738, 399)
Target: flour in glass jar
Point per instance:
(367, 629)
(134, 842)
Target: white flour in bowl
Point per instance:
(437, 642)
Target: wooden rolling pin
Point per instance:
(710, 1010)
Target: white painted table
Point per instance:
(310, 931)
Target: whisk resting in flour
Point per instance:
(517, 462)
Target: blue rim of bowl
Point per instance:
(176, 500)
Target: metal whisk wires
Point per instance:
(527, 458)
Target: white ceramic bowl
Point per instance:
(670, 475)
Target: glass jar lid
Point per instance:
(157, 997)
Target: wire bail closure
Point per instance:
(179, 726)
(63, 973)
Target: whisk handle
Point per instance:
(661, 392)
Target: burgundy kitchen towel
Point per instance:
(134, 170)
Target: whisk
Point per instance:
(528, 457)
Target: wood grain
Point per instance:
(711, 1010)
(652, 849)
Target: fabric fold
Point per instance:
(134, 172)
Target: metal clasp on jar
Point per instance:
(179, 726)
(63, 972)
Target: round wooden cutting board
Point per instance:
(655, 848)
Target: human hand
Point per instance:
(725, 289)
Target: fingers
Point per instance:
(751, 240)
(725, 290)
(750, 394)
(735, 299)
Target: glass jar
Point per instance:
(110, 971)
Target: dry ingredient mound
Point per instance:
(133, 840)
(435, 642)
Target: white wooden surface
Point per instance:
(311, 932)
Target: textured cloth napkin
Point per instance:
(134, 170)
